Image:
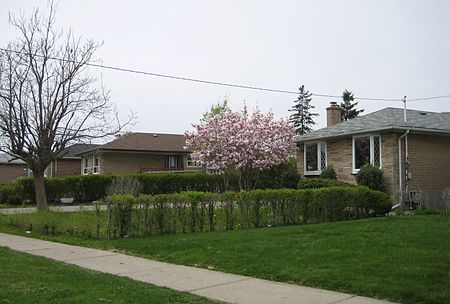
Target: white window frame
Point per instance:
(95, 169)
(192, 163)
(372, 150)
(84, 168)
(319, 159)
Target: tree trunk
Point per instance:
(39, 189)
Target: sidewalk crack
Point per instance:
(221, 284)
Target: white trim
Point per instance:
(371, 150)
(319, 159)
(84, 168)
(95, 169)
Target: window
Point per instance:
(172, 162)
(96, 165)
(366, 150)
(85, 167)
(315, 158)
(192, 163)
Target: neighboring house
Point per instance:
(68, 162)
(139, 153)
(11, 169)
(414, 155)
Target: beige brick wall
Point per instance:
(339, 155)
(429, 162)
(389, 163)
(130, 162)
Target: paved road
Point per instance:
(8, 211)
(214, 285)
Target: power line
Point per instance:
(108, 67)
(429, 98)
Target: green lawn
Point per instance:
(404, 258)
(28, 279)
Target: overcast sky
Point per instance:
(383, 49)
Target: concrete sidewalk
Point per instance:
(9, 211)
(210, 284)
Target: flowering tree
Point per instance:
(243, 142)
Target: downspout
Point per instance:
(400, 179)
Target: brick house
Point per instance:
(11, 169)
(414, 154)
(139, 153)
(68, 162)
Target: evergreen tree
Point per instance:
(348, 106)
(302, 118)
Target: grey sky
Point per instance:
(384, 49)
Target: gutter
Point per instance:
(400, 178)
(412, 129)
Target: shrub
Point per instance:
(186, 212)
(371, 177)
(284, 175)
(329, 173)
(315, 183)
(200, 211)
(124, 185)
(10, 194)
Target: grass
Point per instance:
(403, 258)
(29, 279)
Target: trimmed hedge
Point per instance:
(315, 183)
(10, 194)
(198, 211)
(146, 215)
(88, 188)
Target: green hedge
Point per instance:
(146, 215)
(315, 183)
(88, 188)
(198, 211)
(10, 194)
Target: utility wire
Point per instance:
(223, 83)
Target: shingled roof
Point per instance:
(146, 142)
(75, 149)
(384, 120)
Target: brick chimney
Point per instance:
(333, 114)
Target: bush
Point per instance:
(10, 194)
(186, 212)
(371, 177)
(315, 183)
(329, 173)
(200, 211)
(284, 175)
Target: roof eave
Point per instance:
(391, 128)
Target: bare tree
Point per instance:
(48, 99)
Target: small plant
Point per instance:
(329, 173)
(371, 177)
(124, 185)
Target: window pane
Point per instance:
(311, 157)
(376, 151)
(323, 156)
(172, 161)
(362, 151)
